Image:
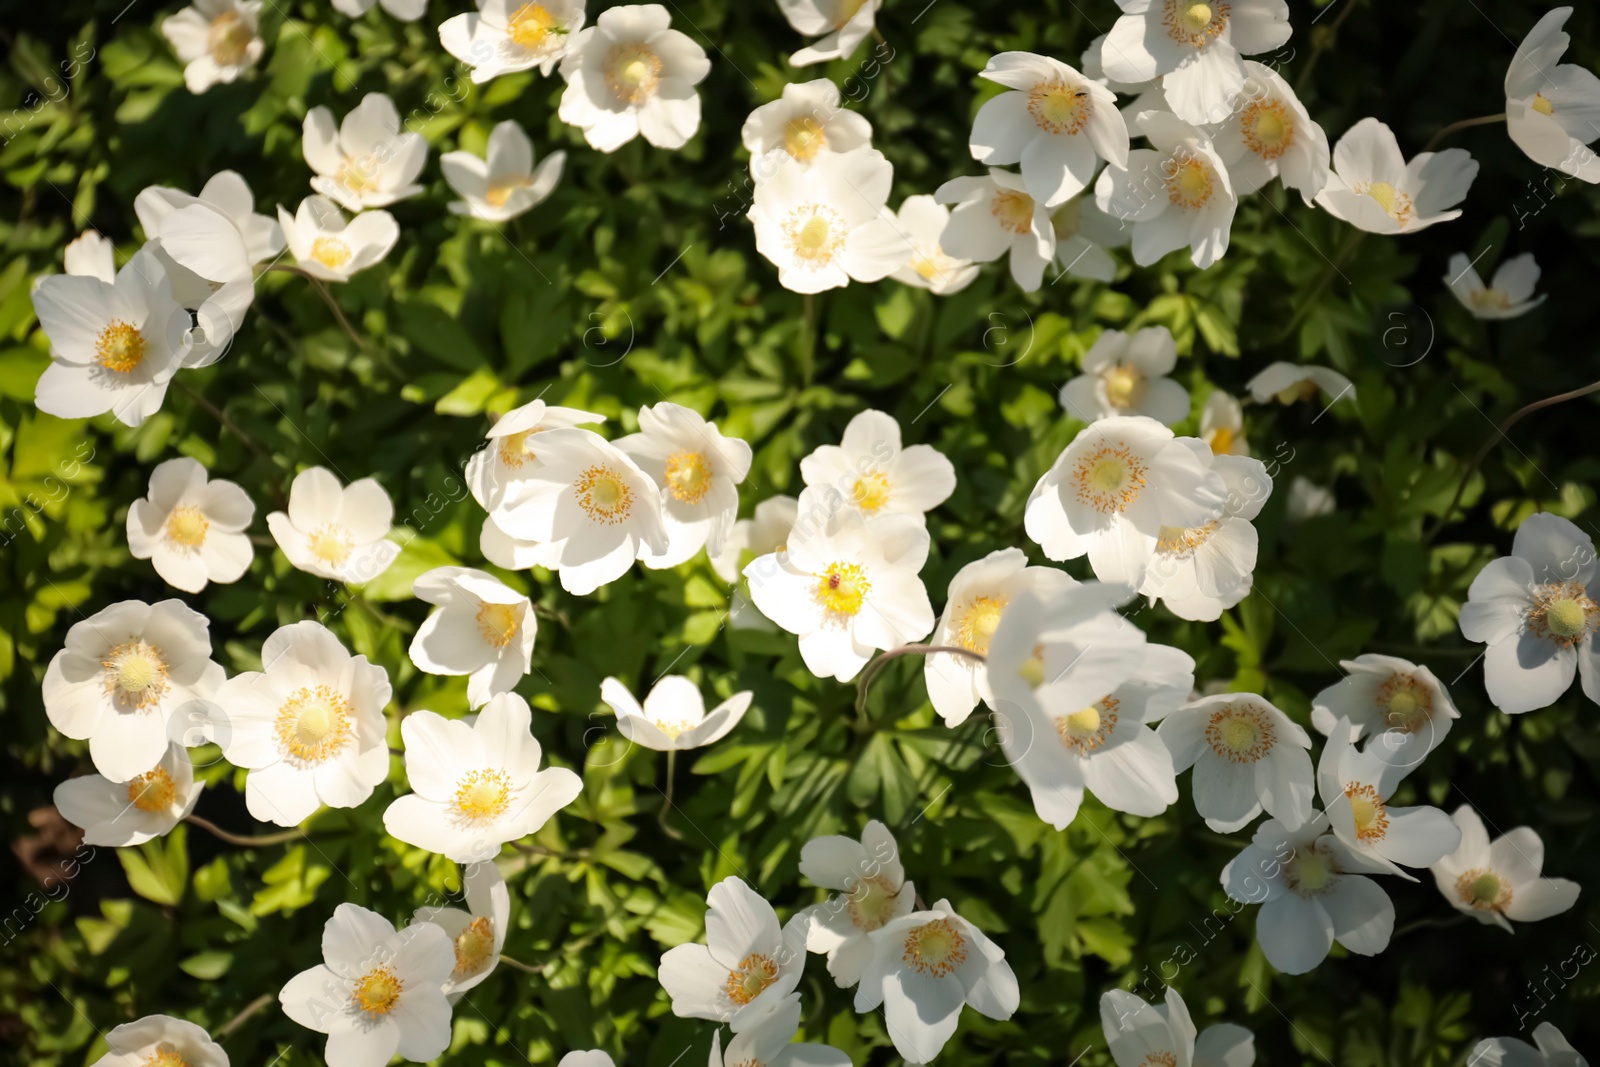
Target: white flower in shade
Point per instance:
(1083, 235)
(763, 533)
(366, 161)
(331, 247)
(871, 891)
(1149, 1035)
(747, 966)
(476, 786)
(161, 1040)
(1202, 571)
(1312, 893)
(1288, 383)
(1222, 425)
(1355, 787)
(216, 40)
(1126, 374)
(1093, 64)
(1373, 188)
(505, 36)
(1054, 122)
(506, 183)
(191, 529)
(591, 1058)
(924, 967)
(1176, 194)
(840, 25)
(119, 814)
(698, 471)
(766, 1042)
(1112, 492)
(123, 673)
(1550, 106)
(1307, 500)
(869, 470)
(1537, 611)
(673, 716)
(1402, 708)
(494, 472)
(994, 215)
(1268, 134)
(333, 531)
(483, 629)
(1500, 882)
(1247, 756)
(379, 991)
(309, 726)
(1194, 48)
(114, 346)
(823, 227)
(805, 126)
(479, 932)
(515, 553)
(1553, 1050)
(979, 594)
(631, 74)
(1057, 653)
(404, 10)
(195, 239)
(921, 220)
(845, 585)
(1509, 295)
(90, 255)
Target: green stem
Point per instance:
(872, 669)
(1351, 243)
(666, 802)
(1464, 124)
(226, 1029)
(326, 294)
(808, 341)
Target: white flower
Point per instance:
(1147, 1035)
(924, 967)
(496, 470)
(631, 74)
(476, 786)
(1373, 188)
(827, 225)
(769, 1042)
(764, 532)
(1059, 652)
(505, 36)
(747, 966)
(1536, 610)
(119, 814)
(1194, 48)
(505, 184)
(333, 531)
(1055, 122)
(366, 161)
(1268, 134)
(673, 716)
(922, 220)
(191, 529)
(1247, 756)
(870, 472)
(1222, 425)
(1093, 63)
(1508, 296)
(309, 726)
(1310, 893)
(1126, 374)
(845, 585)
(479, 933)
(404, 10)
(1553, 1049)
(1355, 787)
(216, 40)
(114, 346)
(332, 248)
(1176, 194)
(123, 674)
(377, 992)
(1289, 382)
(483, 629)
(90, 255)
(1402, 708)
(591, 1058)
(1499, 882)
(1114, 489)
(1083, 235)
(1200, 572)
(161, 1040)
(872, 890)
(841, 24)
(806, 126)
(698, 471)
(1550, 106)
(1307, 500)
(994, 215)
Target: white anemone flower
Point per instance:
(505, 183)
(483, 629)
(747, 966)
(216, 40)
(404, 10)
(505, 36)
(826, 226)
(1126, 374)
(1057, 652)
(1268, 134)
(121, 814)
(698, 471)
(379, 991)
(1248, 757)
(631, 74)
(1402, 708)
(1093, 64)
(1537, 611)
(1508, 296)
(161, 1040)
(1084, 235)
(673, 717)
(227, 194)
(1499, 882)
(309, 726)
(336, 532)
(123, 674)
(764, 532)
(329, 246)
(769, 1042)
(871, 890)
(1288, 383)
(1112, 492)
(1551, 106)
(476, 786)
(477, 933)
(191, 529)
(89, 255)
(1553, 1050)
(1222, 425)
(1201, 571)
(922, 220)
(871, 472)
(1373, 188)
(366, 161)
(993, 216)
(1151, 1035)
(1176, 194)
(924, 968)
(494, 471)
(806, 126)
(839, 25)
(1307, 500)
(1355, 787)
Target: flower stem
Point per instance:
(226, 1029)
(808, 340)
(1481, 120)
(872, 669)
(327, 298)
(519, 965)
(666, 801)
(245, 840)
(222, 417)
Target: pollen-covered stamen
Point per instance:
(332, 544)
(228, 39)
(514, 448)
(871, 902)
(671, 727)
(500, 190)
(135, 675)
(482, 795)
(803, 138)
(1190, 180)
(935, 947)
(871, 491)
(632, 72)
(1305, 389)
(331, 252)
(1013, 209)
(1542, 105)
(1406, 703)
(1490, 299)
(750, 979)
(1312, 870)
(603, 494)
(1182, 543)
(1057, 107)
(474, 947)
(152, 791)
(533, 27)
(842, 588)
(688, 476)
(499, 624)
(815, 234)
(1240, 733)
(1195, 24)
(358, 175)
(1220, 440)
(1268, 128)
(1481, 889)
(977, 621)
(377, 992)
(187, 526)
(1159, 1059)
(1031, 670)
(314, 724)
(1125, 386)
(1368, 810)
(165, 1054)
(1564, 613)
(1395, 204)
(845, 12)
(1109, 478)
(1086, 730)
(119, 347)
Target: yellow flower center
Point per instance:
(331, 544)
(632, 72)
(1161, 1059)
(1220, 440)
(500, 189)
(871, 491)
(803, 138)
(815, 234)
(1366, 806)
(152, 790)
(1483, 890)
(846, 11)
(1268, 128)
(482, 795)
(1311, 870)
(228, 39)
(1240, 733)
(358, 175)
(935, 948)
(499, 624)
(1489, 298)
(1406, 703)
(842, 588)
(1564, 613)
(688, 476)
(1125, 387)
(603, 494)
(1542, 105)
(186, 526)
(1182, 543)
(314, 724)
(378, 991)
(514, 447)
(166, 1054)
(1194, 24)
(1031, 670)
(1109, 478)
(474, 947)
(871, 903)
(1395, 204)
(531, 26)
(1057, 107)
(978, 622)
(120, 347)
(1013, 210)
(747, 981)
(135, 675)
(331, 252)
(1085, 730)
(1191, 182)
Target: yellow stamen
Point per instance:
(978, 622)
(152, 791)
(1240, 733)
(1191, 183)
(331, 252)
(871, 902)
(1125, 386)
(1483, 890)
(474, 947)
(482, 795)
(314, 724)
(815, 234)
(688, 476)
(843, 588)
(1085, 730)
(1057, 107)
(935, 947)
(228, 39)
(1367, 807)
(603, 494)
(378, 991)
(1013, 210)
(632, 72)
(1268, 128)
(531, 26)
(1109, 478)
(120, 347)
(753, 975)
(499, 624)
(332, 544)
(1542, 105)
(135, 675)
(186, 526)
(166, 1054)
(803, 138)
(871, 491)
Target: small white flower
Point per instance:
(1222, 425)
(1126, 374)
(1553, 1049)
(769, 1042)
(90, 255)
(631, 74)
(1176, 194)
(869, 471)
(120, 814)
(840, 25)
(333, 531)
(366, 161)
(198, 247)
(764, 532)
(478, 933)
(1093, 64)
(806, 127)
(191, 529)
(1288, 383)
(673, 716)
(1550, 106)
(1057, 653)
(922, 221)
(1268, 134)
(1307, 500)
(216, 40)
(483, 629)
(404, 10)
(1507, 297)
(495, 471)
(747, 966)
(331, 247)
(506, 183)
(1247, 756)
(1355, 787)
(828, 225)
(1200, 572)
(1084, 234)
(1144, 1035)
(1500, 882)
(872, 890)
(994, 215)
(161, 1040)
(698, 471)
(1373, 188)
(1402, 708)
(505, 36)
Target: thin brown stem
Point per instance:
(226, 1029)
(222, 416)
(872, 669)
(519, 965)
(326, 294)
(1464, 124)
(245, 840)
(1321, 42)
